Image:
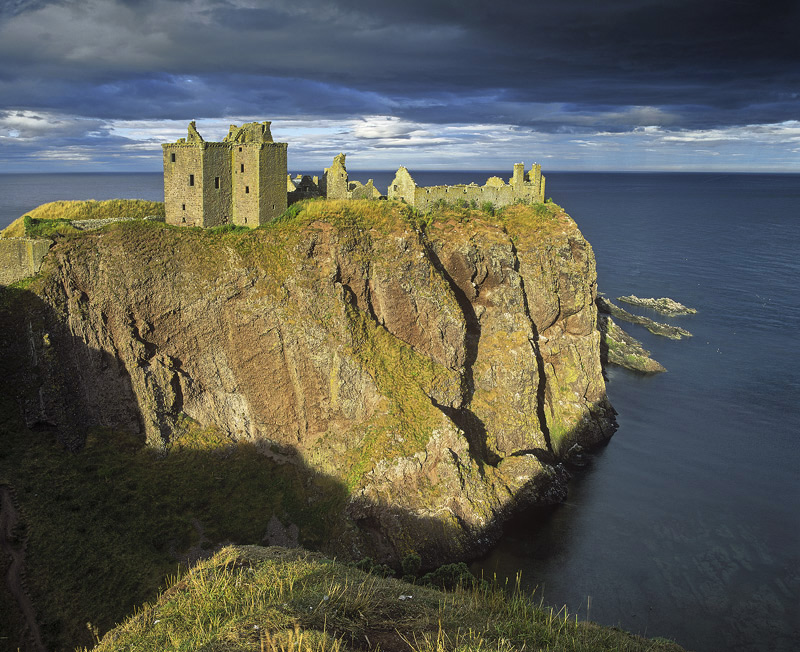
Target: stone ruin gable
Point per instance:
(240, 180)
(335, 184)
(520, 187)
(334, 179)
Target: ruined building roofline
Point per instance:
(243, 180)
(251, 133)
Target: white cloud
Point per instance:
(31, 125)
(72, 153)
(386, 141)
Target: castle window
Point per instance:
(216, 182)
(172, 157)
(242, 168)
(184, 206)
(183, 220)
(240, 149)
(247, 190)
(191, 179)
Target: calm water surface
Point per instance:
(687, 525)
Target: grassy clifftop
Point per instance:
(84, 210)
(276, 599)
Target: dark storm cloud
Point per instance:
(556, 67)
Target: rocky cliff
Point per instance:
(439, 368)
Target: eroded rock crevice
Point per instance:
(541, 387)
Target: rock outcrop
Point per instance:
(664, 305)
(619, 348)
(657, 328)
(438, 369)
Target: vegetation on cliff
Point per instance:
(250, 598)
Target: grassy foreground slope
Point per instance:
(253, 598)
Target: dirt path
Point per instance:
(16, 552)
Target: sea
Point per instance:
(686, 525)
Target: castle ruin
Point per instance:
(243, 180)
(521, 187)
(335, 184)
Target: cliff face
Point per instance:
(437, 370)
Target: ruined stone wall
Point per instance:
(403, 187)
(425, 198)
(334, 179)
(21, 258)
(272, 181)
(217, 201)
(358, 190)
(523, 187)
(183, 183)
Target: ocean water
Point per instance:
(687, 524)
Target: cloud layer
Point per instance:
(422, 76)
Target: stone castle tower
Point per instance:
(241, 180)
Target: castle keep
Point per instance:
(241, 180)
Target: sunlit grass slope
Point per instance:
(252, 598)
(85, 210)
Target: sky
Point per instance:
(684, 85)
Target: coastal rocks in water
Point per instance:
(664, 305)
(619, 348)
(433, 372)
(657, 328)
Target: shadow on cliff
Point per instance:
(469, 422)
(602, 327)
(107, 518)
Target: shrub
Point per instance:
(411, 564)
(450, 577)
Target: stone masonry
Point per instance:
(335, 184)
(21, 258)
(520, 187)
(241, 180)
